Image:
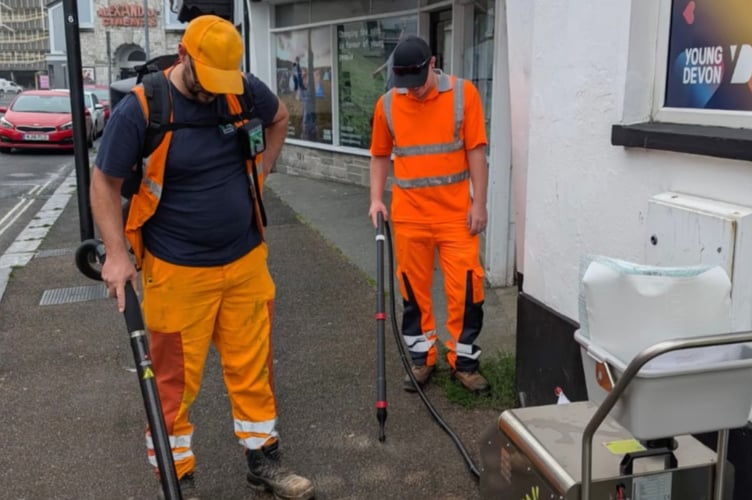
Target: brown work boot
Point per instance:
(266, 473)
(421, 374)
(473, 381)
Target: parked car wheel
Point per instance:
(5, 151)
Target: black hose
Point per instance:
(403, 356)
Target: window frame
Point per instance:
(51, 10)
(684, 116)
(92, 12)
(171, 26)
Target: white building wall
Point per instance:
(520, 34)
(584, 195)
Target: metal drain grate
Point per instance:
(73, 294)
(55, 252)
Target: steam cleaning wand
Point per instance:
(380, 322)
(91, 251)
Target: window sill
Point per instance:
(720, 142)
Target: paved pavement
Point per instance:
(72, 420)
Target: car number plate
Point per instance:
(36, 137)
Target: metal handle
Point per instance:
(621, 385)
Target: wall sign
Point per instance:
(126, 14)
(710, 55)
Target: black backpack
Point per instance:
(157, 93)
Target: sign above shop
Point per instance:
(126, 14)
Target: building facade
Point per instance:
(114, 38)
(598, 112)
(326, 59)
(24, 40)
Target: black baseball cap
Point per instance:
(410, 62)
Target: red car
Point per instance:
(103, 95)
(40, 119)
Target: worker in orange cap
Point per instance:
(197, 237)
(432, 123)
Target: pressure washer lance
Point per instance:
(380, 322)
(89, 252)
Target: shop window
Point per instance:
(364, 52)
(304, 82)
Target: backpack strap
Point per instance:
(159, 107)
(246, 101)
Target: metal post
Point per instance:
(80, 150)
(109, 58)
(720, 464)
(146, 29)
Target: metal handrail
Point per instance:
(621, 385)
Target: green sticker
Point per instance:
(624, 446)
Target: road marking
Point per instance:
(23, 248)
(14, 213)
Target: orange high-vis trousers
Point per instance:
(188, 308)
(416, 246)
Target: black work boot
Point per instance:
(266, 473)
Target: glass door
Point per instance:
(440, 38)
(480, 55)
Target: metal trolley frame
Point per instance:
(623, 382)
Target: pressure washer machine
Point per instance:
(614, 447)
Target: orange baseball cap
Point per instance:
(216, 49)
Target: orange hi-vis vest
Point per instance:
(431, 172)
(144, 203)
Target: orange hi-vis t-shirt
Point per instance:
(424, 131)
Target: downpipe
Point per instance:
(384, 237)
(88, 253)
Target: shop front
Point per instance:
(329, 63)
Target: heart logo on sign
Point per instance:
(689, 12)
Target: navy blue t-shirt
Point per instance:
(205, 215)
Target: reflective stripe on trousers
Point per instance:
(186, 309)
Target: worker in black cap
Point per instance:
(433, 125)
